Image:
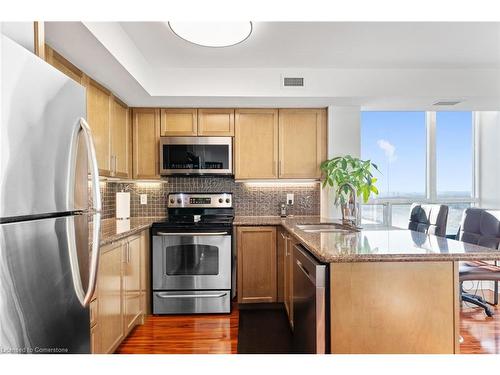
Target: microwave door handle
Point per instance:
(191, 234)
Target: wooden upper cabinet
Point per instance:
(216, 122)
(146, 135)
(98, 117)
(302, 142)
(63, 65)
(120, 139)
(256, 264)
(256, 143)
(179, 122)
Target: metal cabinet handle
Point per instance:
(191, 234)
(219, 295)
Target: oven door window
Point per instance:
(196, 156)
(191, 259)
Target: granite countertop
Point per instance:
(374, 243)
(113, 230)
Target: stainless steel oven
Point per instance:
(184, 261)
(196, 156)
(192, 255)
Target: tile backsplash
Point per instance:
(249, 199)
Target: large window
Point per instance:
(395, 141)
(422, 157)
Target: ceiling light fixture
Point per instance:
(212, 34)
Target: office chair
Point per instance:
(428, 218)
(480, 227)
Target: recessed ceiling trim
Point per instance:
(212, 34)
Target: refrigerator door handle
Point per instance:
(94, 169)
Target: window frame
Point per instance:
(431, 171)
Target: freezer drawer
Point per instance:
(187, 302)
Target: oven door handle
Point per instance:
(191, 234)
(218, 295)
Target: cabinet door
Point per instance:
(302, 142)
(145, 274)
(179, 122)
(120, 139)
(94, 340)
(110, 318)
(256, 264)
(256, 143)
(280, 271)
(146, 135)
(131, 282)
(98, 117)
(216, 122)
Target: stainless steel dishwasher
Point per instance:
(309, 303)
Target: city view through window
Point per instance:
(397, 143)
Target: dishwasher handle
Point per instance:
(309, 266)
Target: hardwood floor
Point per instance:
(480, 333)
(196, 334)
(184, 334)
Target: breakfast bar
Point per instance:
(391, 290)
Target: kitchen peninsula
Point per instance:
(391, 290)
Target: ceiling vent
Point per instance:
(447, 102)
(293, 81)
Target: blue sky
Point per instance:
(396, 141)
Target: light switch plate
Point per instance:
(144, 199)
(289, 199)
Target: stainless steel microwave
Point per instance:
(196, 156)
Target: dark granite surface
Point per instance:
(113, 230)
(373, 243)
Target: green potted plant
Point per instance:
(350, 177)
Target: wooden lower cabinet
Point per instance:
(256, 264)
(109, 284)
(119, 305)
(131, 283)
(288, 276)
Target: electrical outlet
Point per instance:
(289, 199)
(144, 199)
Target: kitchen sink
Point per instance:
(326, 227)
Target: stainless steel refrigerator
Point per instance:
(47, 271)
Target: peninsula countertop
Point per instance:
(372, 243)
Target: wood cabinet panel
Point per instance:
(98, 117)
(288, 277)
(120, 139)
(386, 308)
(109, 286)
(145, 274)
(256, 143)
(131, 282)
(146, 135)
(216, 122)
(256, 264)
(179, 122)
(302, 142)
(280, 267)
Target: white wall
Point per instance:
(344, 138)
(20, 32)
(488, 143)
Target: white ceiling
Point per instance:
(372, 65)
(329, 45)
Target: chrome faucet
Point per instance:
(350, 212)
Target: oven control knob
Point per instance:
(172, 200)
(228, 200)
(179, 201)
(221, 200)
